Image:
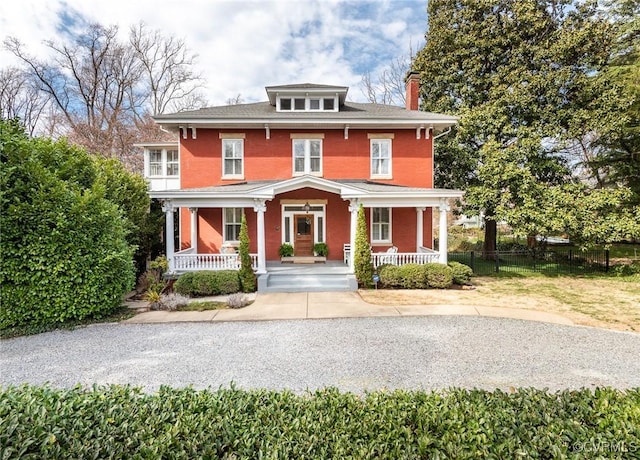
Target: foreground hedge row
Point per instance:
(123, 422)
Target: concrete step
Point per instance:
(287, 282)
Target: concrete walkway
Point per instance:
(316, 305)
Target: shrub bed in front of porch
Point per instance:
(424, 276)
(205, 283)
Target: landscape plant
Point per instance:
(65, 254)
(208, 283)
(363, 266)
(321, 249)
(126, 422)
(285, 250)
(461, 273)
(246, 274)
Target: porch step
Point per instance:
(310, 282)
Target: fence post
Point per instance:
(497, 254)
(570, 261)
(473, 262)
(606, 259)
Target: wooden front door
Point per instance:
(303, 231)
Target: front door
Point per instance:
(303, 231)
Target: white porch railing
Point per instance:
(402, 258)
(189, 262)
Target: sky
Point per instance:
(243, 46)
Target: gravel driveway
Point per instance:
(351, 354)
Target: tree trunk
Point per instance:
(490, 237)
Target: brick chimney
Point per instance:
(412, 82)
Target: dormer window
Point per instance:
(306, 104)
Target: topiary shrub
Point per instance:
(362, 252)
(246, 275)
(438, 276)
(205, 283)
(461, 273)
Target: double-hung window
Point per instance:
(380, 225)
(232, 222)
(307, 156)
(381, 158)
(164, 163)
(232, 158)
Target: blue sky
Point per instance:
(243, 46)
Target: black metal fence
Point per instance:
(550, 261)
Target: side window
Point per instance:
(232, 158)
(173, 163)
(381, 158)
(155, 163)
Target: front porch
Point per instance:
(303, 212)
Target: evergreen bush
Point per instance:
(65, 254)
(246, 274)
(461, 273)
(126, 422)
(438, 276)
(413, 276)
(207, 283)
(363, 266)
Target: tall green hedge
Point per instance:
(206, 283)
(64, 250)
(123, 422)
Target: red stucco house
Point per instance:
(298, 166)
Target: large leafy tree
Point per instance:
(522, 77)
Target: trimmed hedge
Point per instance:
(415, 276)
(203, 283)
(124, 422)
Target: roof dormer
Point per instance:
(307, 97)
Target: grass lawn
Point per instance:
(607, 302)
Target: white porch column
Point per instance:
(167, 207)
(194, 228)
(260, 207)
(353, 209)
(442, 232)
(419, 228)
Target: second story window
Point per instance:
(232, 158)
(307, 156)
(164, 163)
(381, 158)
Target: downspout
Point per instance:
(442, 133)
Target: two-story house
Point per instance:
(299, 166)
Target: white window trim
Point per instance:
(388, 175)
(163, 163)
(307, 156)
(224, 226)
(232, 176)
(390, 226)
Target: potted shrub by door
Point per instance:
(286, 252)
(320, 249)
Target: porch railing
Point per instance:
(189, 262)
(402, 258)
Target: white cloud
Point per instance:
(243, 46)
